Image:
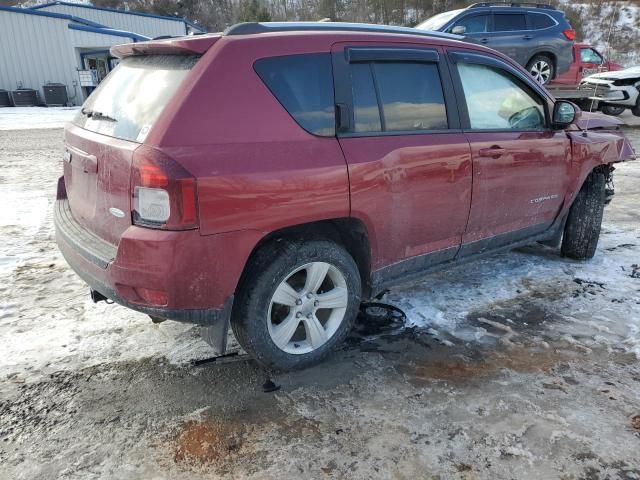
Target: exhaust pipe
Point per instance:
(96, 296)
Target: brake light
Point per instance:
(164, 194)
(570, 34)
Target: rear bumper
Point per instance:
(171, 262)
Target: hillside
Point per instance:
(611, 25)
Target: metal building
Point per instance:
(68, 44)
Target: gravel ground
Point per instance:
(522, 365)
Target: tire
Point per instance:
(636, 110)
(612, 110)
(582, 230)
(257, 315)
(542, 69)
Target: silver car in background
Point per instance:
(616, 91)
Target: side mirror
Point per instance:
(459, 30)
(565, 113)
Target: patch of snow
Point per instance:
(27, 118)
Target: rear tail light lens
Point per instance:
(152, 297)
(164, 193)
(570, 34)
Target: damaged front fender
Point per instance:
(592, 149)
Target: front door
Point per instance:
(520, 165)
(409, 163)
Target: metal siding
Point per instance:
(35, 50)
(148, 26)
(96, 41)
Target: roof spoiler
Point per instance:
(189, 45)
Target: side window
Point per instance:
(496, 100)
(474, 24)
(409, 97)
(589, 55)
(303, 84)
(540, 21)
(365, 102)
(509, 22)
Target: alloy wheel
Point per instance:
(307, 308)
(541, 71)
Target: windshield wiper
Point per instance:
(97, 115)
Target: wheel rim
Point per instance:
(541, 71)
(307, 308)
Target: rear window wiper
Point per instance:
(97, 115)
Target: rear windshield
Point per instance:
(131, 98)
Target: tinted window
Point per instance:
(540, 21)
(589, 55)
(474, 24)
(508, 22)
(303, 84)
(365, 103)
(411, 96)
(496, 100)
(130, 99)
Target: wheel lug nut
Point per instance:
(316, 303)
(309, 315)
(309, 295)
(298, 315)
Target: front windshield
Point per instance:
(438, 21)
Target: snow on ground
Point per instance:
(21, 118)
(35, 283)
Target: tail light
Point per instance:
(570, 34)
(164, 194)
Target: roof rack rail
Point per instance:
(513, 4)
(251, 28)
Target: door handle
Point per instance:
(492, 152)
(484, 40)
(527, 37)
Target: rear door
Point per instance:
(510, 35)
(101, 141)
(409, 163)
(520, 165)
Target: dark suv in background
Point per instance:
(537, 36)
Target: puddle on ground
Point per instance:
(207, 441)
(461, 368)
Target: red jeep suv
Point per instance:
(272, 176)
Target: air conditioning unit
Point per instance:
(25, 97)
(5, 99)
(55, 94)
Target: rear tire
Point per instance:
(284, 287)
(582, 230)
(612, 110)
(542, 69)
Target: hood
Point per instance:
(633, 72)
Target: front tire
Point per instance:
(297, 302)
(542, 69)
(612, 110)
(582, 230)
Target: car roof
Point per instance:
(516, 5)
(252, 28)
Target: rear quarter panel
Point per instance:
(256, 167)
